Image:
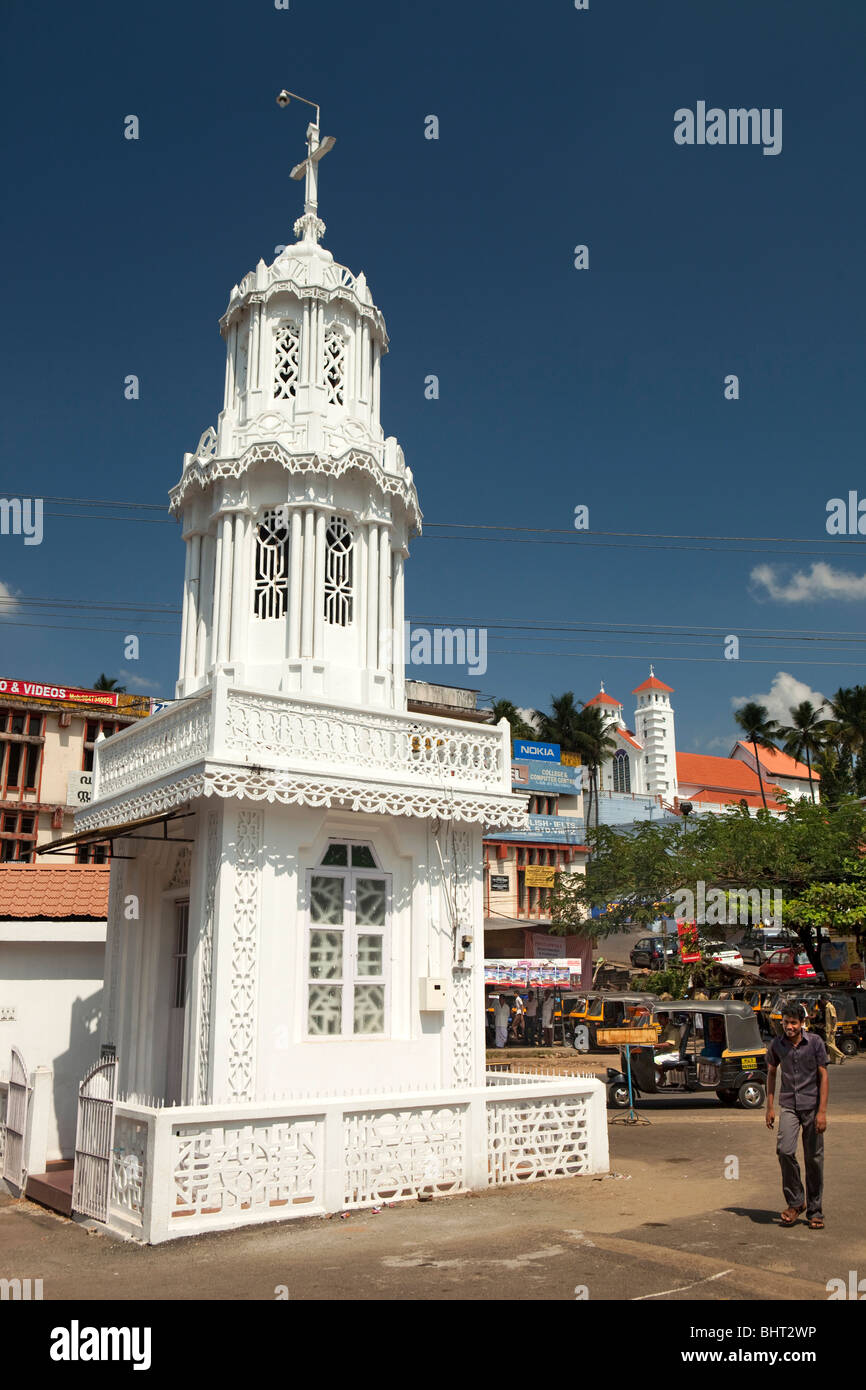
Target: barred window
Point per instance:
(335, 357)
(271, 587)
(347, 951)
(287, 361)
(621, 772)
(338, 572)
(17, 837)
(20, 751)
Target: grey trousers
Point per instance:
(790, 1124)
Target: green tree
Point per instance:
(848, 708)
(105, 682)
(760, 731)
(579, 731)
(520, 728)
(805, 737)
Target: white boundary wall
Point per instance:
(179, 1171)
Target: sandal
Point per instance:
(789, 1216)
(816, 1223)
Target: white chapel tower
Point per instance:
(654, 727)
(294, 954)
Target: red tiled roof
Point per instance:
(773, 760)
(57, 891)
(602, 698)
(720, 774)
(624, 733)
(718, 798)
(653, 683)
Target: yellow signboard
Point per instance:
(539, 876)
(570, 759)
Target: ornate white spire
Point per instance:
(601, 687)
(310, 227)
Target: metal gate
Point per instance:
(94, 1139)
(17, 1104)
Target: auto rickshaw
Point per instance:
(763, 1000)
(720, 1049)
(601, 1009)
(848, 1024)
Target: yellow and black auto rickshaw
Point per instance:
(847, 1025)
(600, 1009)
(720, 1049)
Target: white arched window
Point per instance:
(334, 365)
(349, 911)
(338, 572)
(621, 772)
(286, 361)
(271, 582)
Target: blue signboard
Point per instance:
(547, 752)
(561, 830)
(546, 777)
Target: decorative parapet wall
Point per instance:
(183, 1170)
(232, 742)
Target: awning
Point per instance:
(124, 831)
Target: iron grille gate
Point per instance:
(94, 1138)
(17, 1103)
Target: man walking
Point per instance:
(501, 1019)
(827, 1021)
(802, 1106)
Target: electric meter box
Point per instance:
(433, 995)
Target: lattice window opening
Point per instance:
(334, 366)
(271, 580)
(287, 361)
(339, 572)
(349, 915)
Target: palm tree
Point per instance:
(848, 708)
(760, 731)
(580, 731)
(504, 709)
(806, 735)
(109, 683)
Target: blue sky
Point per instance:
(557, 386)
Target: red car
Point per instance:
(787, 964)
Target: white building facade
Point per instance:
(294, 982)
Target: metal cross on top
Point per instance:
(310, 226)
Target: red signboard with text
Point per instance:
(690, 950)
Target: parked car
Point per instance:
(788, 964)
(759, 943)
(723, 953)
(654, 952)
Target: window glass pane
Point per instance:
(362, 857)
(325, 1013)
(326, 955)
(326, 900)
(336, 854)
(13, 764)
(33, 754)
(35, 724)
(370, 954)
(17, 724)
(369, 1008)
(370, 902)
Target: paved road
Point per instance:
(671, 1226)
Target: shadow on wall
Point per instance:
(85, 1016)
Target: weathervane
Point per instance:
(310, 226)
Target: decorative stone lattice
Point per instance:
(402, 1153)
(247, 1168)
(338, 572)
(244, 991)
(128, 1166)
(334, 363)
(177, 736)
(462, 1068)
(271, 587)
(180, 874)
(287, 362)
(214, 825)
(114, 936)
(530, 1139)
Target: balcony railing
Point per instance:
(283, 733)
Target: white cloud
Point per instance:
(8, 600)
(134, 682)
(821, 581)
(785, 693)
(530, 716)
(720, 745)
